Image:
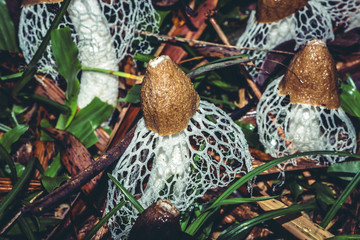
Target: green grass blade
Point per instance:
(7, 29)
(5, 158)
(344, 237)
(25, 228)
(29, 73)
(197, 224)
(9, 198)
(340, 200)
(233, 201)
(44, 100)
(127, 194)
(93, 231)
(234, 231)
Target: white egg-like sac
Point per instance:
(181, 167)
(286, 128)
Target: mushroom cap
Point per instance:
(311, 77)
(273, 10)
(168, 98)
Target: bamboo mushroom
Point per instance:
(193, 146)
(301, 110)
(103, 31)
(277, 21)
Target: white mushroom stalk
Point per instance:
(103, 31)
(275, 22)
(301, 111)
(175, 161)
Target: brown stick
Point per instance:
(81, 179)
(243, 70)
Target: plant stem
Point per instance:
(116, 73)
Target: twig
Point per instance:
(204, 43)
(225, 40)
(81, 179)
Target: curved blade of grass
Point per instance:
(6, 159)
(234, 231)
(197, 224)
(344, 237)
(340, 200)
(233, 201)
(214, 66)
(93, 231)
(17, 187)
(127, 194)
(47, 101)
(7, 29)
(29, 73)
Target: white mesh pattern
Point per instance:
(314, 21)
(103, 32)
(286, 128)
(180, 167)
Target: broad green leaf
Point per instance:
(25, 228)
(127, 194)
(7, 30)
(143, 57)
(133, 96)
(345, 170)
(10, 197)
(44, 135)
(66, 53)
(344, 237)
(251, 136)
(54, 168)
(51, 183)
(350, 100)
(44, 223)
(13, 136)
(88, 119)
(324, 195)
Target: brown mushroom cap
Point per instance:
(273, 10)
(168, 98)
(311, 77)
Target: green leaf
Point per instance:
(88, 119)
(5, 160)
(18, 167)
(324, 195)
(350, 98)
(10, 197)
(25, 228)
(235, 230)
(7, 30)
(197, 224)
(127, 194)
(13, 136)
(251, 136)
(133, 96)
(218, 101)
(93, 231)
(344, 237)
(345, 170)
(44, 223)
(44, 135)
(340, 200)
(31, 70)
(143, 57)
(54, 168)
(51, 183)
(66, 53)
